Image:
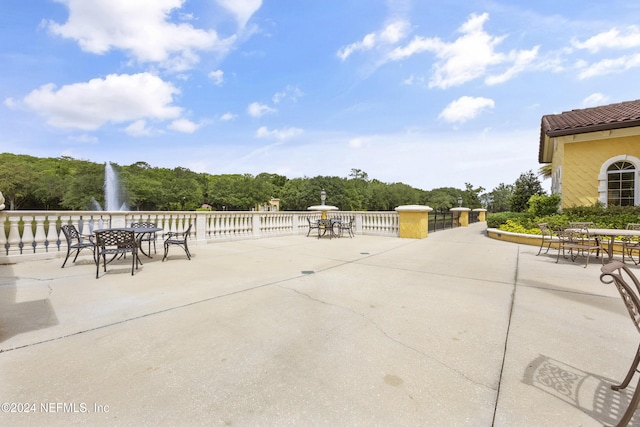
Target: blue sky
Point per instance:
(432, 94)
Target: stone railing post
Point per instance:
(201, 227)
(118, 219)
(255, 219)
(358, 223)
(464, 216)
(414, 221)
(482, 214)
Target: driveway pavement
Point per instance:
(453, 330)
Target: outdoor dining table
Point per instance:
(611, 233)
(327, 226)
(140, 232)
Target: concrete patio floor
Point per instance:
(453, 330)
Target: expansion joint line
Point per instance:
(506, 336)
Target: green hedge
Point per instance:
(611, 217)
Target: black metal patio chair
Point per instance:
(313, 225)
(346, 226)
(147, 237)
(76, 241)
(628, 286)
(116, 241)
(177, 239)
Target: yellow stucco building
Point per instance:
(594, 154)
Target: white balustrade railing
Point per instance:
(37, 233)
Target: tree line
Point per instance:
(65, 183)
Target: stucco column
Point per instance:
(482, 214)
(464, 216)
(414, 221)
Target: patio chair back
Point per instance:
(116, 241)
(628, 286)
(75, 241)
(347, 226)
(313, 225)
(547, 237)
(578, 242)
(147, 237)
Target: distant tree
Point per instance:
(471, 196)
(525, 186)
(358, 174)
(16, 176)
(443, 198)
(499, 199)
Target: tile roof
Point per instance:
(605, 117)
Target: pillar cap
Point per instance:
(322, 208)
(413, 208)
(479, 210)
(460, 209)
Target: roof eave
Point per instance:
(593, 128)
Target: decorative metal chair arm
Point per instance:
(175, 234)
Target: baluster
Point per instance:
(27, 234)
(214, 226)
(14, 235)
(41, 237)
(226, 226)
(52, 234)
(207, 223)
(235, 225)
(247, 224)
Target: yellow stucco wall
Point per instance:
(414, 225)
(581, 158)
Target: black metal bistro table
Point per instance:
(139, 232)
(327, 226)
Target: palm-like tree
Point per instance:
(545, 171)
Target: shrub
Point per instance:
(495, 220)
(611, 217)
(516, 227)
(543, 205)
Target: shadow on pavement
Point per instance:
(590, 393)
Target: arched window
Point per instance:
(621, 179)
(618, 181)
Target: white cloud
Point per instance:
(612, 39)
(256, 109)
(609, 66)
(358, 142)
(522, 60)
(468, 57)
(84, 139)
(291, 93)
(465, 108)
(389, 35)
(227, 117)
(595, 99)
(241, 9)
(217, 76)
(138, 128)
(140, 28)
(279, 134)
(183, 125)
(117, 98)
(413, 80)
